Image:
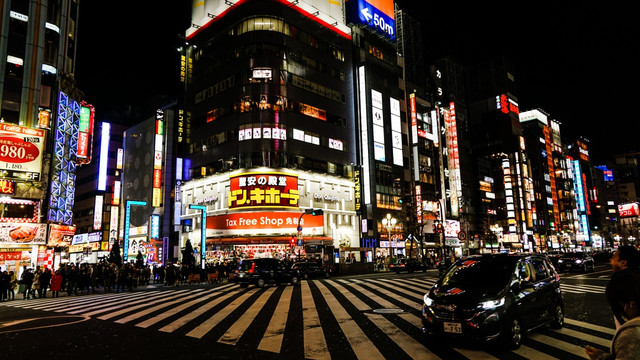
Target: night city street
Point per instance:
(318, 179)
(369, 316)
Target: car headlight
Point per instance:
(578, 261)
(427, 300)
(492, 304)
(560, 261)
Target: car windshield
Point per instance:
(245, 265)
(483, 273)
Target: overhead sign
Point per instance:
(378, 15)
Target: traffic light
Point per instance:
(439, 227)
(404, 200)
(292, 241)
(314, 212)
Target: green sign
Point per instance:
(85, 119)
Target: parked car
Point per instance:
(576, 261)
(409, 265)
(261, 272)
(311, 269)
(494, 297)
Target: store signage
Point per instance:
(628, 210)
(262, 73)
(267, 223)
(60, 235)
(23, 234)
(21, 151)
(7, 187)
(258, 190)
(10, 256)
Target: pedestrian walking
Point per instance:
(35, 286)
(625, 292)
(56, 283)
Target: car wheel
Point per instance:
(305, 276)
(584, 268)
(558, 317)
(295, 280)
(592, 267)
(260, 283)
(513, 334)
(327, 274)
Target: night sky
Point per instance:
(577, 61)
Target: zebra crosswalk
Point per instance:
(370, 318)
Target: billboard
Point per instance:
(263, 223)
(23, 234)
(20, 152)
(379, 15)
(257, 190)
(628, 210)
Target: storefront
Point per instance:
(267, 213)
(20, 244)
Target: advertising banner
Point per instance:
(21, 151)
(23, 234)
(263, 223)
(61, 235)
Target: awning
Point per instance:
(266, 240)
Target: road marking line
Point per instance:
(274, 335)
(315, 345)
(144, 302)
(202, 329)
(241, 325)
(602, 329)
(199, 311)
(139, 314)
(177, 309)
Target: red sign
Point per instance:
(7, 187)
(4, 256)
(264, 222)
(157, 178)
(273, 189)
(83, 144)
(628, 210)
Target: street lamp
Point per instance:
(389, 222)
(203, 232)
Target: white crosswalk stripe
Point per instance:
(345, 308)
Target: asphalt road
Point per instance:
(370, 316)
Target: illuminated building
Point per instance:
(97, 199)
(537, 133)
(497, 137)
(268, 129)
(39, 107)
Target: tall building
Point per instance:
(39, 114)
(97, 198)
(268, 131)
(497, 137)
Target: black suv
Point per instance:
(494, 296)
(261, 272)
(576, 261)
(409, 265)
(311, 269)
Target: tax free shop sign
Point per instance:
(263, 223)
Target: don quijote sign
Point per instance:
(263, 190)
(206, 200)
(325, 197)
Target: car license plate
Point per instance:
(568, 265)
(454, 328)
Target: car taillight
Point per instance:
(253, 268)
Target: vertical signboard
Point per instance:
(157, 162)
(104, 156)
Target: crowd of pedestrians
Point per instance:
(79, 279)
